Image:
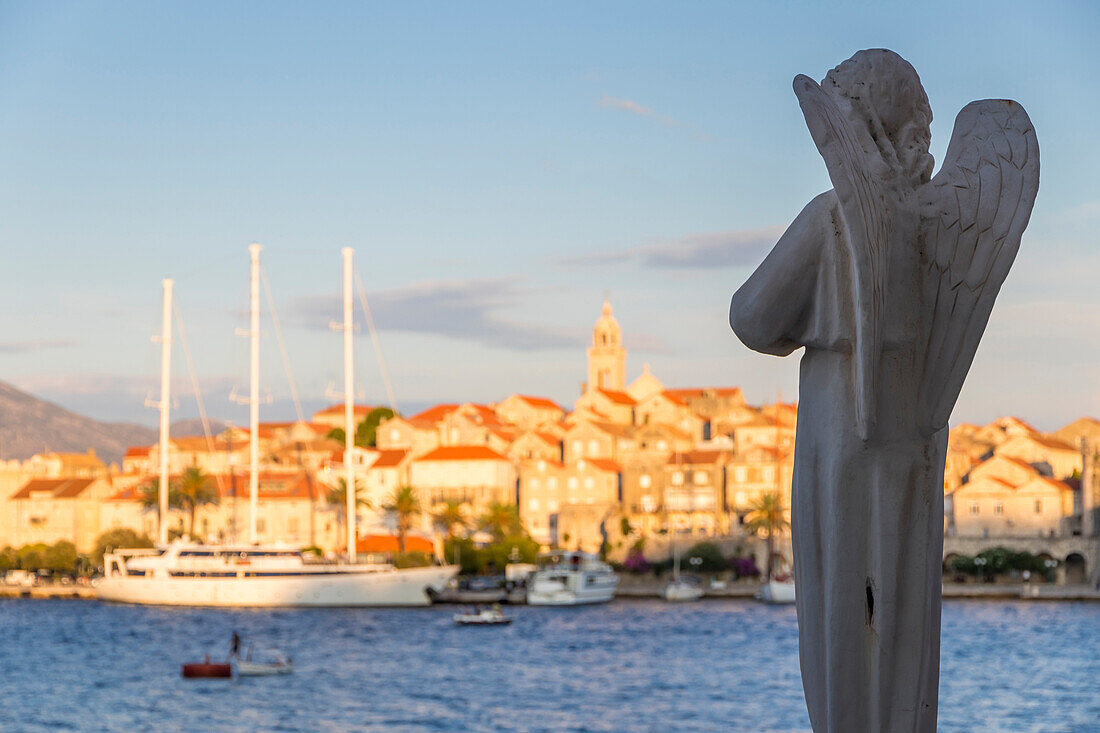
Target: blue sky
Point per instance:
(498, 168)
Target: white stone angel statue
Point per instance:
(888, 281)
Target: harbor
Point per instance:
(629, 665)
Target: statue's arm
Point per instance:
(769, 312)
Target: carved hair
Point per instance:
(884, 92)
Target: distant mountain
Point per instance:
(183, 428)
(29, 425)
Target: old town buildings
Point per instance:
(633, 457)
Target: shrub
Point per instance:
(709, 553)
(636, 563)
(744, 567)
(414, 559)
(118, 538)
(61, 558)
(9, 559)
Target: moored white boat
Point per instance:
(682, 590)
(571, 579)
(187, 574)
(777, 592)
(492, 616)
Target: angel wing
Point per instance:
(858, 166)
(973, 213)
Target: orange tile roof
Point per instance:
(542, 402)
(548, 438)
(138, 451)
(1053, 443)
(689, 392)
(389, 458)
(462, 453)
(697, 457)
(388, 543)
(622, 431)
(59, 488)
(619, 398)
(435, 414)
(605, 464)
(339, 410)
(674, 398)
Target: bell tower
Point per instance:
(606, 355)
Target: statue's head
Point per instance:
(884, 91)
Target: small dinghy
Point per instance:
(264, 669)
(485, 617)
(206, 669)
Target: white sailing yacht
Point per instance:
(191, 574)
(679, 589)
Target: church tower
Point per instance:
(606, 355)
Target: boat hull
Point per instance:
(777, 593)
(405, 587)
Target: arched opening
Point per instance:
(1075, 568)
(950, 574)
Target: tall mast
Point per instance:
(349, 399)
(165, 387)
(254, 398)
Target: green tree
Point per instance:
(121, 537)
(767, 517)
(404, 504)
(33, 557)
(366, 432)
(61, 557)
(450, 518)
(337, 498)
(501, 520)
(9, 559)
(195, 489)
(150, 498)
(710, 556)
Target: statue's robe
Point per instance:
(867, 516)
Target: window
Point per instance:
(589, 483)
(552, 483)
(533, 505)
(974, 508)
(1038, 506)
(645, 481)
(769, 474)
(533, 484)
(999, 508)
(593, 447)
(552, 505)
(677, 478)
(648, 504)
(578, 447)
(700, 478)
(739, 474)
(662, 445)
(740, 498)
(572, 483)
(395, 435)
(542, 465)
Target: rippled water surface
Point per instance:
(630, 665)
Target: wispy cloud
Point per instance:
(637, 108)
(735, 248)
(473, 309)
(27, 347)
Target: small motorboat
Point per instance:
(247, 668)
(206, 669)
(492, 616)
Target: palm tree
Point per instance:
(150, 498)
(195, 489)
(337, 497)
(450, 518)
(500, 520)
(767, 516)
(404, 504)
